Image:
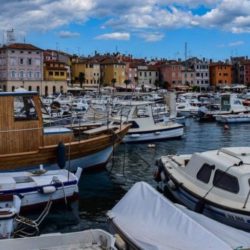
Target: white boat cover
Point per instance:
(152, 222)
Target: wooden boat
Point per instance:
(25, 142)
(215, 183)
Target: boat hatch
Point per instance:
(22, 179)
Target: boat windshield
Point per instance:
(24, 108)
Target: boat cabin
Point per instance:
(226, 170)
(21, 124)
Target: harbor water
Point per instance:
(131, 163)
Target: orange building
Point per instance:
(220, 74)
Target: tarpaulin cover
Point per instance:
(151, 221)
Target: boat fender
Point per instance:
(157, 175)
(61, 155)
(120, 243)
(47, 189)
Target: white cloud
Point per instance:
(152, 37)
(68, 34)
(114, 36)
(236, 43)
(130, 16)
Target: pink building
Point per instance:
(171, 73)
(21, 62)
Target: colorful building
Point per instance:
(171, 73)
(21, 65)
(112, 69)
(220, 74)
(90, 70)
(201, 72)
(148, 76)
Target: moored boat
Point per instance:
(95, 239)
(215, 183)
(37, 188)
(143, 125)
(145, 219)
(26, 143)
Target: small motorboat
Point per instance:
(215, 183)
(143, 126)
(36, 188)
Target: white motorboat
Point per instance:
(9, 208)
(234, 118)
(145, 219)
(143, 125)
(36, 188)
(95, 239)
(215, 183)
(229, 104)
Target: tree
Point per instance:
(157, 84)
(81, 78)
(127, 82)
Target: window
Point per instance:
(30, 88)
(226, 182)
(24, 108)
(13, 74)
(50, 73)
(29, 61)
(133, 124)
(37, 89)
(56, 73)
(54, 89)
(21, 74)
(204, 173)
(61, 73)
(20, 60)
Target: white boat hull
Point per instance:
(153, 135)
(234, 219)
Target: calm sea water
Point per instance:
(131, 163)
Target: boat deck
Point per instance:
(76, 246)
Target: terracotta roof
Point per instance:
(112, 60)
(21, 46)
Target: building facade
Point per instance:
(201, 72)
(148, 75)
(171, 74)
(20, 63)
(112, 68)
(220, 74)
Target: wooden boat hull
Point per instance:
(83, 153)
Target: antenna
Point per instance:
(185, 54)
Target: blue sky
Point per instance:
(214, 29)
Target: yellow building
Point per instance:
(91, 70)
(112, 68)
(55, 71)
